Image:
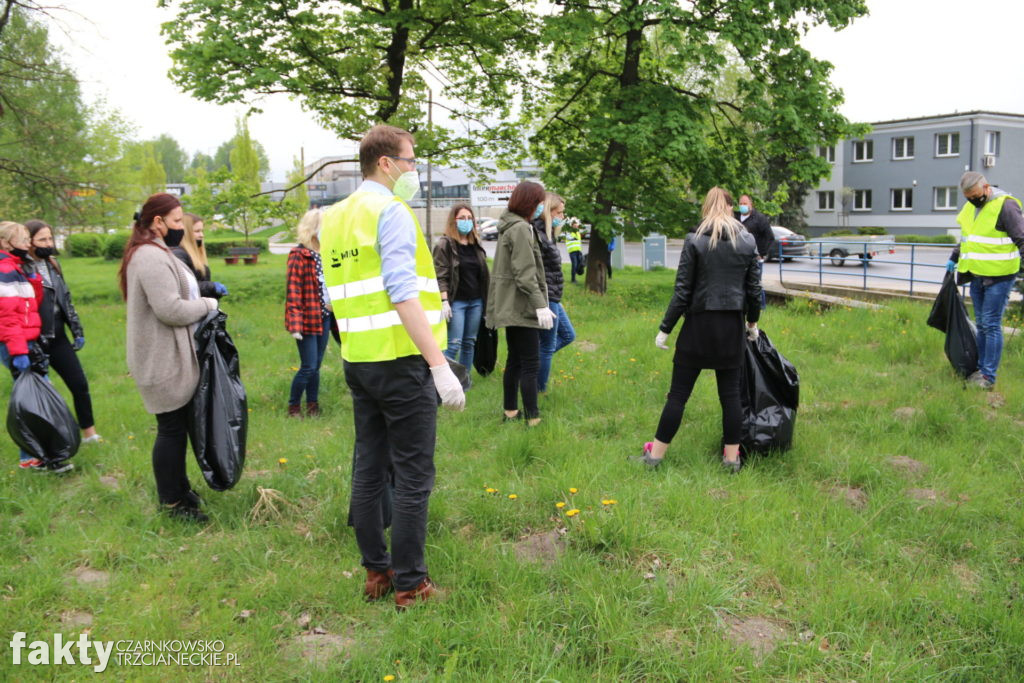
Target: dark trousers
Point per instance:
(394, 404)
(521, 369)
(683, 379)
(169, 451)
(311, 356)
(65, 363)
(576, 264)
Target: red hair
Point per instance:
(525, 198)
(159, 204)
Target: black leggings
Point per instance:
(521, 369)
(65, 363)
(169, 451)
(683, 379)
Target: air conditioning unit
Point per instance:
(988, 161)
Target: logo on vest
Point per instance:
(337, 257)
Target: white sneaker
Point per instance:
(95, 438)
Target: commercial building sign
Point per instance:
(495, 194)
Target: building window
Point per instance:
(992, 142)
(947, 144)
(903, 148)
(863, 150)
(902, 199)
(862, 200)
(827, 201)
(945, 198)
(828, 153)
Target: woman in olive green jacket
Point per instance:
(517, 299)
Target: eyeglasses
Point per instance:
(414, 162)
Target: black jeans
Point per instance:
(169, 451)
(65, 363)
(683, 379)
(521, 369)
(394, 404)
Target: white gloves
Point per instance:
(446, 310)
(546, 318)
(297, 336)
(211, 303)
(660, 340)
(752, 332)
(448, 387)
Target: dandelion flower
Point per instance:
(559, 505)
(490, 490)
(282, 461)
(609, 501)
(389, 677)
(573, 490)
(512, 496)
(572, 513)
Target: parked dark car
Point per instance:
(793, 244)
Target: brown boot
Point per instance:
(294, 410)
(378, 584)
(312, 409)
(427, 590)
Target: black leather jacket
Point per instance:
(207, 289)
(552, 262)
(57, 290)
(725, 278)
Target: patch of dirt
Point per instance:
(967, 577)
(111, 482)
(587, 346)
(72, 619)
(719, 494)
(319, 648)
(908, 465)
(851, 495)
(906, 413)
(760, 634)
(995, 399)
(928, 495)
(544, 547)
(87, 576)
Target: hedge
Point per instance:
(926, 239)
(113, 246)
(220, 247)
(85, 244)
(871, 231)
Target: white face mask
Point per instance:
(407, 184)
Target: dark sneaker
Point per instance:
(192, 499)
(60, 467)
(645, 456)
(186, 513)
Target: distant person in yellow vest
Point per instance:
(989, 255)
(574, 245)
(380, 277)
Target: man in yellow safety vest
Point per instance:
(574, 246)
(380, 276)
(989, 254)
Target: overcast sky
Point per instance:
(908, 58)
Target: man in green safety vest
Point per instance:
(989, 255)
(574, 245)
(380, 276)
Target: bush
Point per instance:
(85, 244)
(113, 246)
(926, 239)
(220, 247)
(837, 233)
(871, 231)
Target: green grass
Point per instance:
(899, 589)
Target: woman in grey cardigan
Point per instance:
(164, 308)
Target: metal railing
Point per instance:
(816, 252)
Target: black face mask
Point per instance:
(20, 253)
(43, 253)
(199, 243)
(173, 237)
(978, 201)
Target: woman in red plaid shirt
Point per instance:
(307, 314)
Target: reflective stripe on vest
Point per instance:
(572, 242)
(984, 250)
(370, 327)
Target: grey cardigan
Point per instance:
(160, 350)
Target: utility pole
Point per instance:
(430, 168)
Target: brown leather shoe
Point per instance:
(427, 590)
(312, 409)
(294, 410)
(378, 584)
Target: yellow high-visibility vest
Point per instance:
(572, 241)
(984, 250)
(371, 330)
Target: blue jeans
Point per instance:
(311, 355)
(558, 337)
(462, 329)
(5, 358)
(989, 305)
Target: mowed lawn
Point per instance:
(886, 545)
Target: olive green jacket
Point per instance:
(517, 288)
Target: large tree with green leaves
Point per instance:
(172, 157)
(641, 124)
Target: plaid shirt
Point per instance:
(303, 311)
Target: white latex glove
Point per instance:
(446, 310)
(660, 340)
(752, 332)
(297, 336)
(448, 387)
(546, 318)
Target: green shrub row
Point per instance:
(869, 230)
(220, 247)
(111, 247)
(926, 239)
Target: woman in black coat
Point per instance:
(717, 285)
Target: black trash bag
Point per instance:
(949, 315)
(39, 420)
(770, 396)
(486, 355)
(219, 417)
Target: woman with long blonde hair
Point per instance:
(717, 285)
(190, 252)
(547, 229)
